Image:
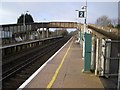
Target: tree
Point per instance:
(65, 33)
(28, 19)
(114, 22)
(103, 21)
(62, 31)
(118, 25)
(110, 25)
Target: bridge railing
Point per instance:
(111, 33)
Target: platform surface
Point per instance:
(70, 74)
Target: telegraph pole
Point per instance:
(24, 26)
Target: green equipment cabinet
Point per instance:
(87, 53)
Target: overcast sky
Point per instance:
(56, 11)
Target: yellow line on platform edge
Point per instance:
(58, 69)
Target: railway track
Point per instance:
(15, 76)
(14, 61)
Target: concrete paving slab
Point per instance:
(70, 74)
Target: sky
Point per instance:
(56, 11)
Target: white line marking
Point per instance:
(34, 74)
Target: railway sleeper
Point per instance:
(13, 85)
(31, 67)
(22, 76)
(16, 80)
(8, 85)
(25, 73)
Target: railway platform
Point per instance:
(64, 70)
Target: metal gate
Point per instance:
(111, 61)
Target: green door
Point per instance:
(87, 57)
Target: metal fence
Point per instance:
(111, 63)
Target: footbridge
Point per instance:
(37, 30)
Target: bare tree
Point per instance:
(118, 25)
(118, 20)
(103, 21)
(114, 22)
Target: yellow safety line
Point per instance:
(58, 69)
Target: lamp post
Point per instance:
(83, 14)
(86, 44)
(24, 20)
(86, 39)
(85, 21)
(43, 33)
(24, 26)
